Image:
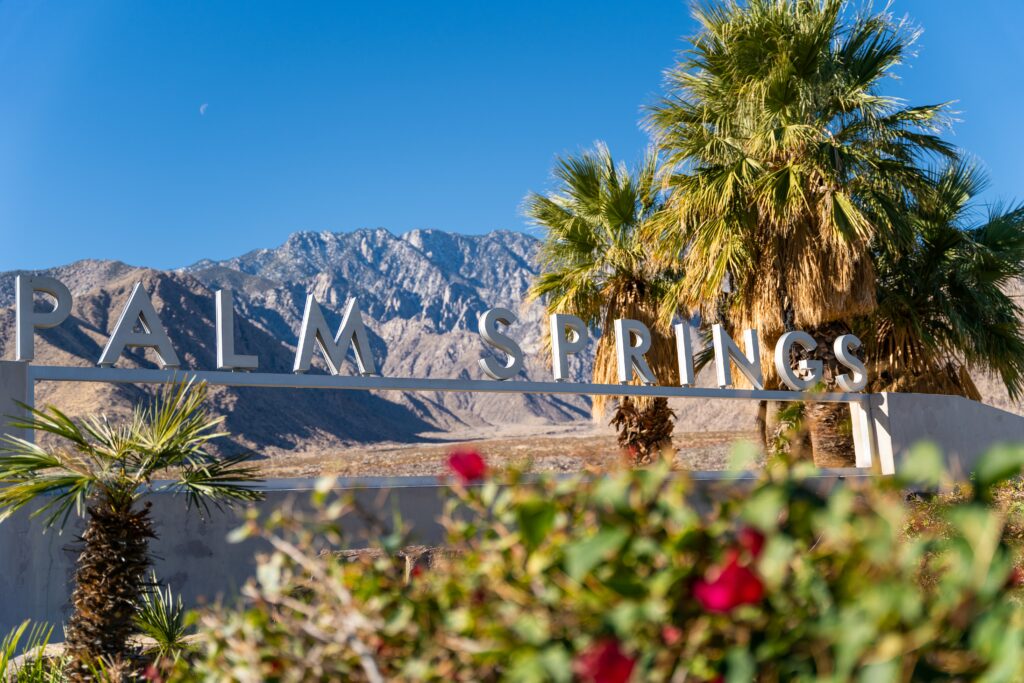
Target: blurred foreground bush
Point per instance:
(621, 578)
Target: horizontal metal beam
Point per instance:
(51, 373)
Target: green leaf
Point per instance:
(743, 456)
(764, 506)
(740, 666)
(536, 518)
(582, 556)
(398, 620)
(996, 466)
(883, 672)
(923, 468)
(324, 485)
(627, 616)
(533, 629)
(243, 532)
(557, 663)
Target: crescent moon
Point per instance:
(202, 108)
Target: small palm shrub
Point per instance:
(31, 641)
(100, 470)
(161, 615)
(639, 576)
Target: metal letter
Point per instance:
(562, 346)
(630, 358)
(844, 348)
(314, 332)
(227, 359)
(726, 350)
(27, 318)
(783, 348)
(684, 352)
(490, 333)
(139, 310)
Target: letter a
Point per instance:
(139, 311)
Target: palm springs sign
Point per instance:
(139, 326)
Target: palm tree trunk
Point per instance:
(761, 424)
(109, 581)
(644, 432)
(829, 424)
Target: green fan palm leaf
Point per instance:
(944, 303)
(595, 264)
(787, 165)
(100, 469)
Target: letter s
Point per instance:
(844, 348)
(490, 333)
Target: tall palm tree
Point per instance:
(595, 264)
(943, 304)
(788, 165)
(100, 470)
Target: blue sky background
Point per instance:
(345, 115)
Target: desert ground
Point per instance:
(557, 448)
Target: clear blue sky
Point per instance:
(361, 114)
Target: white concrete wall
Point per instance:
(192, 554)
(964, 429)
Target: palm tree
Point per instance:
(100, 470)
(596, 265)
(943, 305)
(788, 165)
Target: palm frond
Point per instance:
(221, 481)
(97, 458)
(596, 260)
(943, 303)
(786, 162)
(29, 473)
(161, 615)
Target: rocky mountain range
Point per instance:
(420, 294)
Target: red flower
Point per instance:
(1016, 578)
(604, 662)
(728, 588)
(671, 634)
(752, 541)
(469, 465)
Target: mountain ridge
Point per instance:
(419, 293)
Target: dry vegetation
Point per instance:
(554, 449)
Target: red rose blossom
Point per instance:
(671, 634)
(752, 541)
(604, 662)
(728, 588)
(1016, 578)
(469, 465)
